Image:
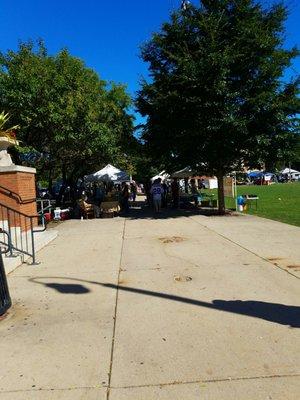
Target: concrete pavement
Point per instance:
(179, 307)
(276, 242)
(41, 239)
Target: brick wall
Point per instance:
(22, 183)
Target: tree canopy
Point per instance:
(216, 100)
(64, 109)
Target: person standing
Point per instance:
(96, 200)
(195, 192)
(133, 189)
(175, 193)
(147, 188)
(165, 195)
(157, 192)
(125, 197)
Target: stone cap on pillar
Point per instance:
(17, 168)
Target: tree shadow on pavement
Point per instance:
(141, 210)
(68, 288)
(273, 312)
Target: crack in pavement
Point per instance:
(203, 381)
(67, 389)
(165, 384)
(115, 314)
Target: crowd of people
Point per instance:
(159, 194)
(162, 194)
(121, 193)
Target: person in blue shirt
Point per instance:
(157, 192)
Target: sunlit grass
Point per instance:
(280, 202)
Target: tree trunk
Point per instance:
(73, 178)
(50, 180)
(221, 198)
(64, 174)
(186, 185)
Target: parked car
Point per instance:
(295, 176)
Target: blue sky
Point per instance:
(106, 34)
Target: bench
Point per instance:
(87, 210)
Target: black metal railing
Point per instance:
(13, 195)
(44, 206)
(5, 300)
(17, 231)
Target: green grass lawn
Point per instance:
(280, 202)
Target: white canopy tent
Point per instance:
(183, 173)
(162, 175)
(288, 171)
(108, 174)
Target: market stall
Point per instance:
(111, 177)
(290, 174)
(186, 197)
(108, 174)
(262, 178)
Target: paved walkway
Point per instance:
(181, 307)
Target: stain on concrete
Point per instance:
(295, 267)
(172, 239)
(181, 278)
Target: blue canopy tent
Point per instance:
(262, 177)
(259, 174)
(255, 174)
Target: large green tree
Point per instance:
(216, 100)
(64, 109)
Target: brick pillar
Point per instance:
(20, 180)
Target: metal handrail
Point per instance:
(23, 245)
(44, 208)
(15, 195)
(19, 212)
(9, 249)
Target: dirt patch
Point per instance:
(17, 312)
(172, 239)
(232, 214)
(275, 259)
(295, 267)
(181, 278)
(228, 213)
